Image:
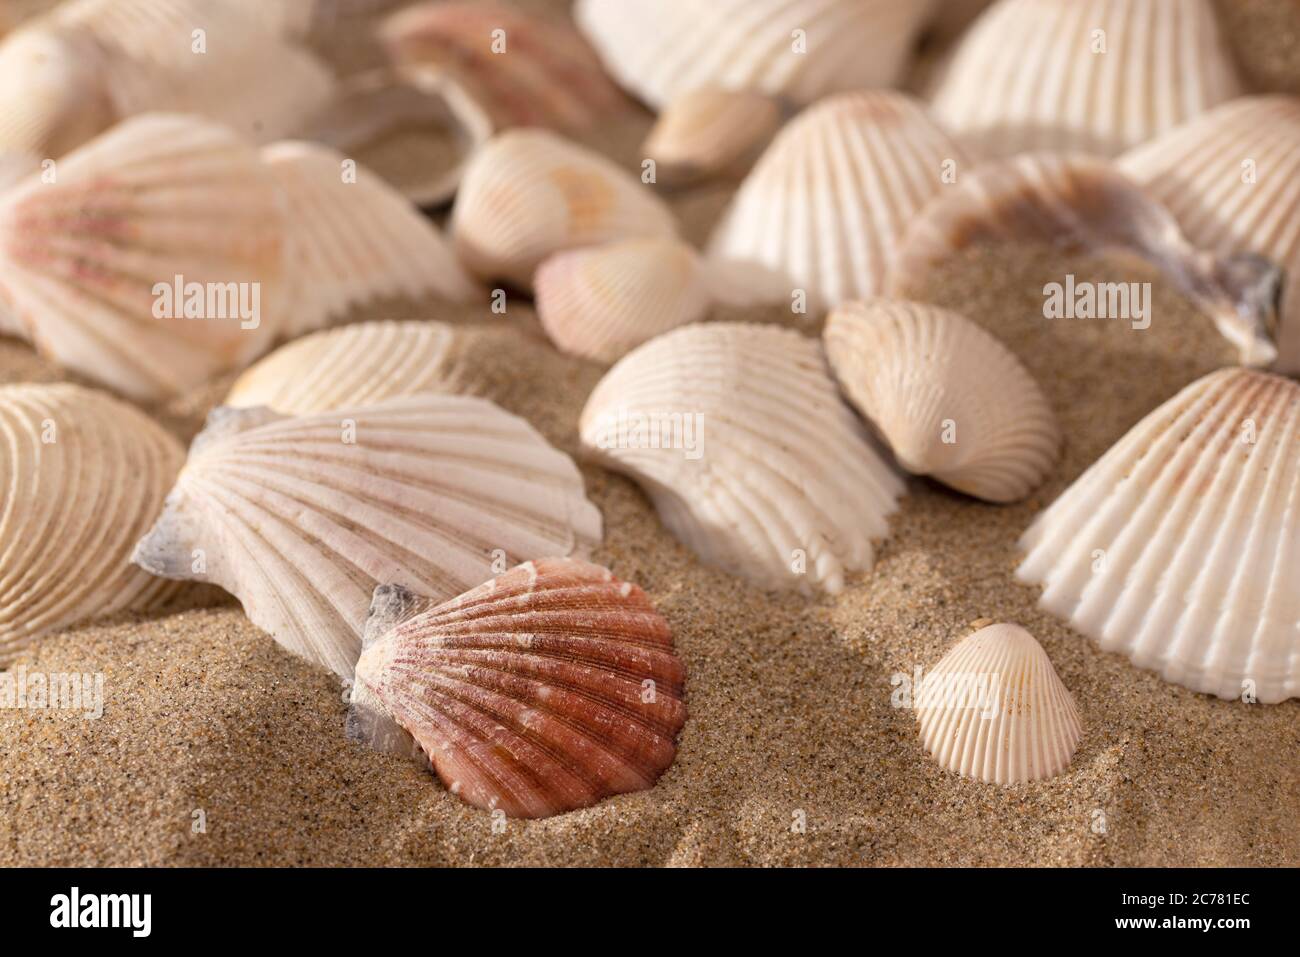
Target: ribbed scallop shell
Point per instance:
(354, 365)
(529, 193)
(158, 196)
(51, 95)
(1180, 547)
(544, 74)
(352, 238)
(827, 203)
(300, 518)
(1232, 180)
(544, 690)
(603, 301)
(1083, 202)
(994, 709)
(1026, 76)
(760, 468)
(951, 401)
(662, 49)
(711, 131)
(82, 475)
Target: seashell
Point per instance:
(301, 517)
(949, 398)
(827, 203)
(522, 70)
(529, 193)
(1180, 547)
(1231, 178)
(736, 433)
(708, 132)
(83, 476)
(354, 365)
(544, 690)
(799, 49)
(88, 261)
(995, 710)
(603, 301)
(1105, 75)
(51, 96)
(1084, 202)
(352, 239)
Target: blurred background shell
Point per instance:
(711, 132)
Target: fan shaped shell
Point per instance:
(737, 434)
(82, 476)
(1180, 547)
(604, 301)
(994, 709)
(529, 193)
(827, 203)
(1093, 76)
(546, 689)
(300, 517)
(951, 401)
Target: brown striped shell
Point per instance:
(544, 690)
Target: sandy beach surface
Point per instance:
(207, 720)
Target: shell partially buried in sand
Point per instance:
(301, 517)
(1180, 547)
(739, 437)
(994, 709)
(544, 690)
(81, 477)
(951, 401)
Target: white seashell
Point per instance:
(1232, 180)
(82, 475)
(352, 238)
(737, 434)
(546, 689)
(1083, 202)
(354, 365)
(603, 301)
(994, 709)
(529, 193)
(1180, 547)
(51, 94)
(89, 262)
(300, 518)
(827, 203)
(800, 49)
(711, 131)
(951, 401)
(1094, 76)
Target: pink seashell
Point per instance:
(546, 689)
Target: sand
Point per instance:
(208, 721)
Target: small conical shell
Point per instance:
(81, 477)
(994, 709)
(1085, 202)
(1180, 547)
(529, 193)
(828, 202)
(523, 70)
(89, 262)
(1093, 76)
(300, 518)
(799, 49)
(707, 132)
(951, 401)
(51, 93)
(737, 433)
(1232, 180)
(352, 238)
(602, 302)
(355, 365)
(547, 689)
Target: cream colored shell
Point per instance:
(1180, 547)
(951, 401)
(737, 434)
(711, 131)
